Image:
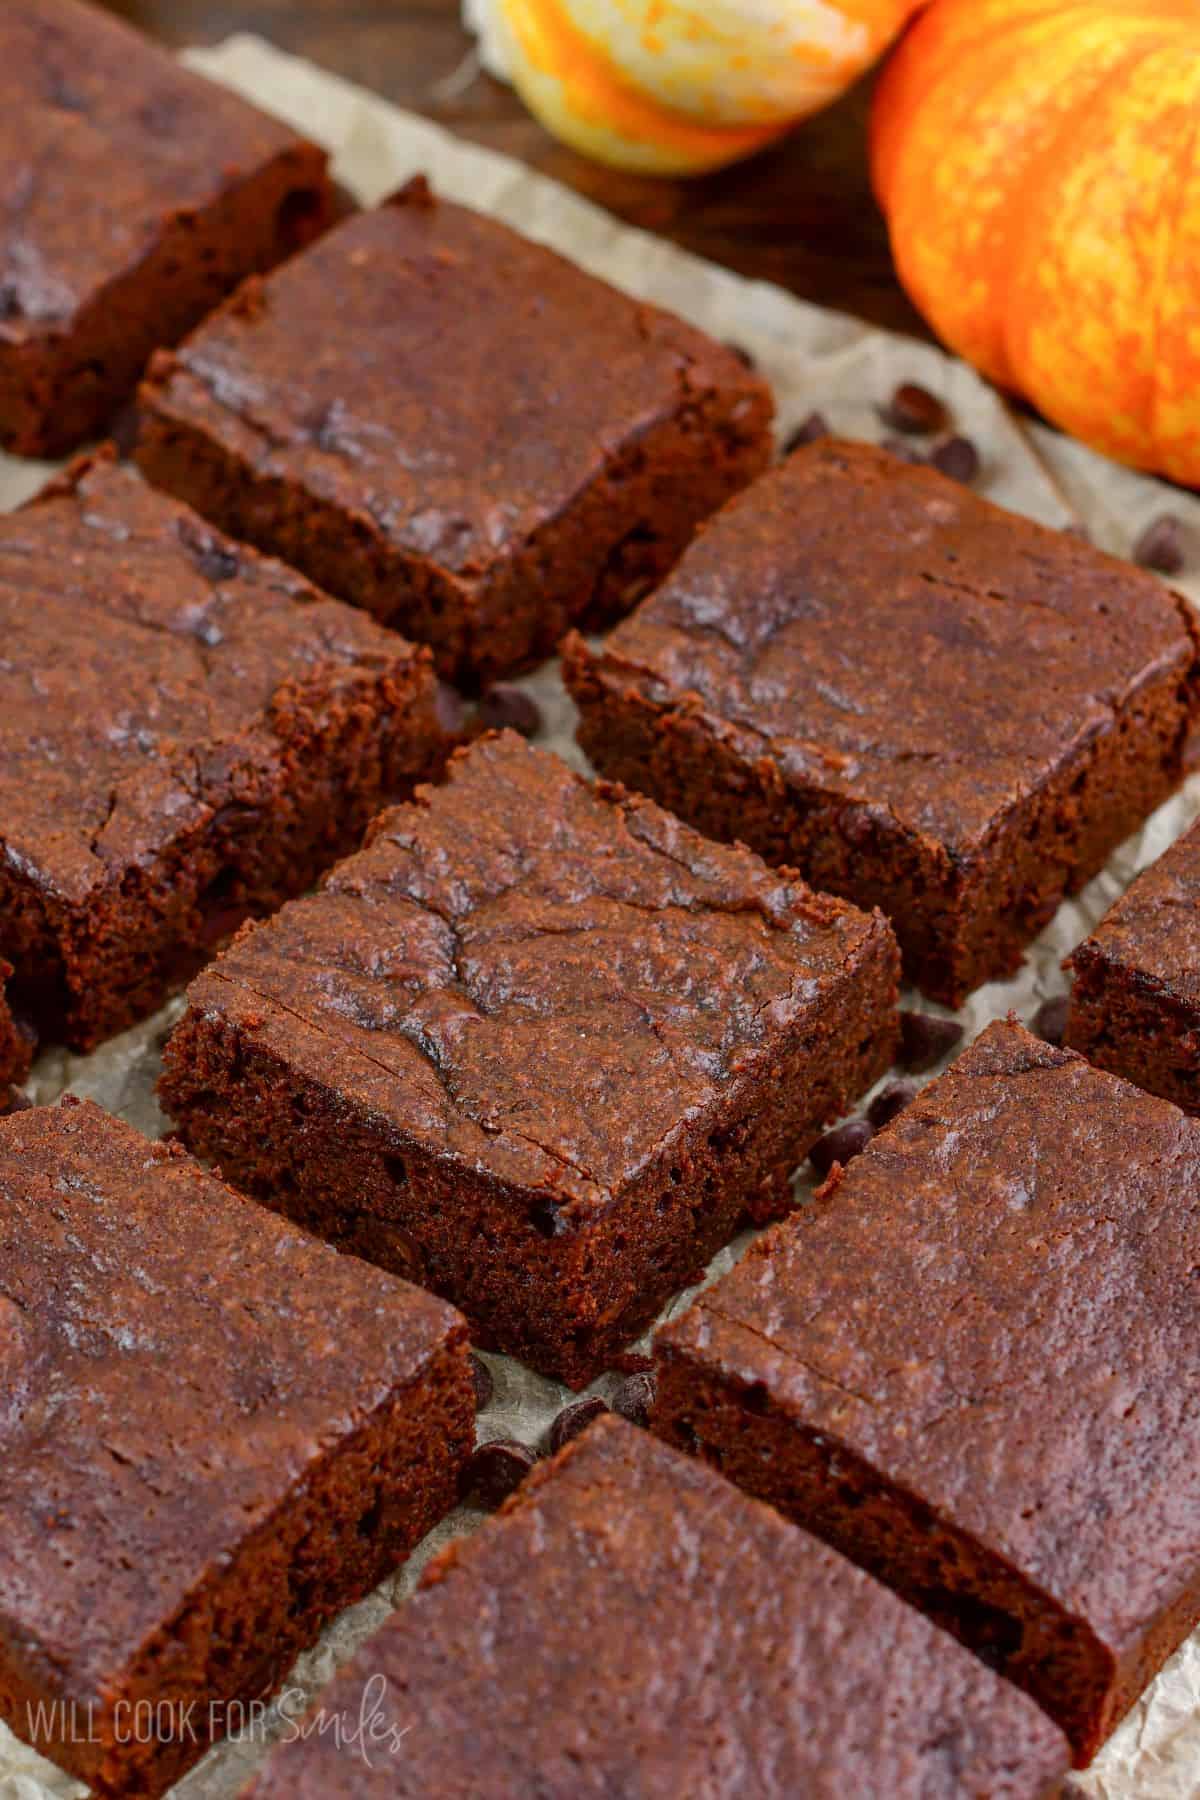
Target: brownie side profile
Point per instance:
(216, 1434)
(972, 1365)
(631, 1624)
(456, 429)
(140, 195)
(837, 674)
(1135, 1003)
(17, 1042)
(539, 1046)
(188, 734)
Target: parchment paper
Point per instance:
(814, 359)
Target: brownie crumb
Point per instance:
(634, 1398)
(495, 1471)
(841, 1145)
(894, 1098)
(807, 432)
(485, 1386)
(1050, 1019)
(925, 1038)
(958, 458)
(1160, 546)
(575, 1418)
(914, 410)
(505, 707)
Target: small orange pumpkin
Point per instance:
(1039, 165)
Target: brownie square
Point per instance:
(916, 699)
(188, 733)
(138, 194)
(972, 1367)
(1135, 1005)
(538, 1045)
(217, 1433)
(631, 1624)
(456, 429)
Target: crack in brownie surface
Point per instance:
(557, 992)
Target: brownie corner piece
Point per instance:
(545, 1017)
(630, 1623)
(189, 734)
(1135, 999)
(540, 452)
(217, 1436)
(141, 194)
(837, 673)
(970, 1367)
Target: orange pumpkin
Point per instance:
(1039, 165)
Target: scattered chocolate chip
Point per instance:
(12, 1100)
(449, 709)
(894, 1098)
(1160, 546)
(809, 430)
(1050, 1019)
(507, 708)
(903, 451)
(485, 1387)
(743, 355)
(495, 1471)
(841, 1145)
(925, 1039)
(913, 409)
(575, 1418)
(633, 1398)
(958, 458)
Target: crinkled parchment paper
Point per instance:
(814, 359)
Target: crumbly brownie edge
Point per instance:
(563, 1302)
(61, 387)
(589, 564)
(960, 920)
(299, 794)
(704, 1407)
(361, 1508)
(1127, 1021)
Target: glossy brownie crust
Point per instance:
(455, 429)
(1135, 1005)
(630, 1624)
(538, 1045)
(972, 1367)
(188, 733)
(838, 674)
(217, 1433)
(142, 195)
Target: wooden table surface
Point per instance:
(801, 214)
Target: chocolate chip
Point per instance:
(495, 1471)
(903, 452)
(575, 1418)
(507, 708)
(925, 1039)
(633, 1398)
(12, 1100)
(958, 458)
(915, 410)
(892, 1100)
(485, 1387)
(1160, 546)
(809, 431)
(841, 1145)
(743, 355)
(1050, 1019)
(448, 707)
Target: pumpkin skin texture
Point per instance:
(1039, 165)
(682, 86)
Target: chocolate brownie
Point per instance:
(216, 1434)
(455, 429)
(538, 1045)
(916, 699)
(972, 1367)
(1135, 1005)
(631, 1624)
(17, 1042)
(188, 733)
(137, 195)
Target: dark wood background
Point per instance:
(801, 214)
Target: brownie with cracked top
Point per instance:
(972, 1367)
(631, 1624)
(137, 195)
(478, 442)
(215, 1434)
(188, 733)
(1135, 1003)
(539, 1045)
(917, 699)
